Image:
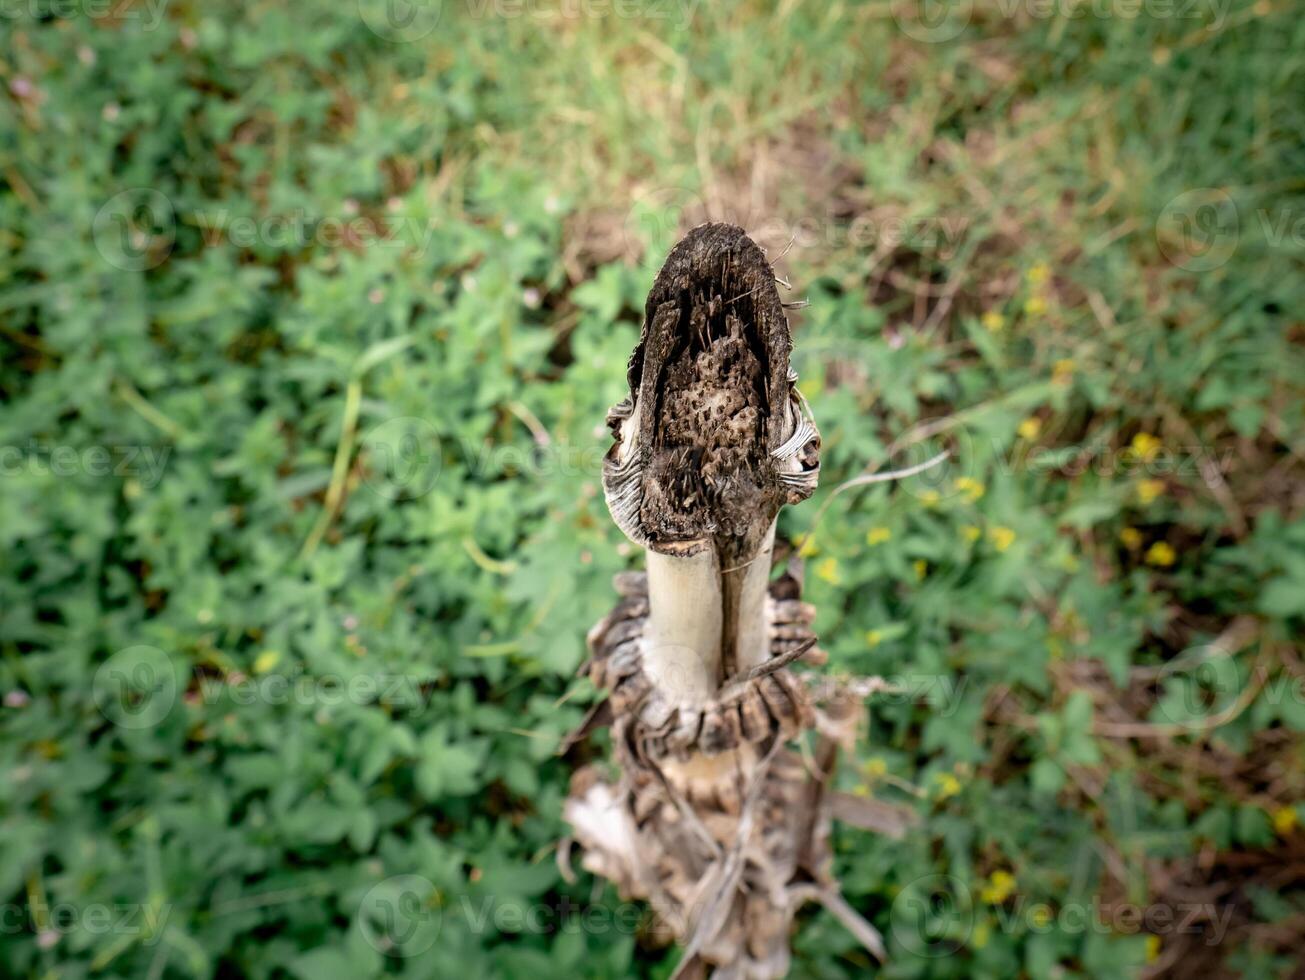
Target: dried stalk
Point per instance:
(714, 821)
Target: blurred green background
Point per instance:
(310, 314)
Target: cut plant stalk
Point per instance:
(714, 820)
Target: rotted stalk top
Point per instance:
(711, 441)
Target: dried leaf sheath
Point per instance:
(715, 822)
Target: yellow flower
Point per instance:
(1285, 820)
(1149, 490)
(1001, 537)
(809, 548)
(1039, 274)
(1161, 555)
(1131, 538)
(266, 660)
(873, 638)
(1152, 948)
(970, 487)
(1146, 446)
(999, 887)
(970, 533)
(921, 566)
(1062, 370)
(878, 535)
(827, 569)
(930, 498)
(1035, 306)
(875, 767)
(948, 785)
(1030, 427)
(993, 321)
(980, 936)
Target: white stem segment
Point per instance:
(686, 620)
(682, 655)
(754, 629)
